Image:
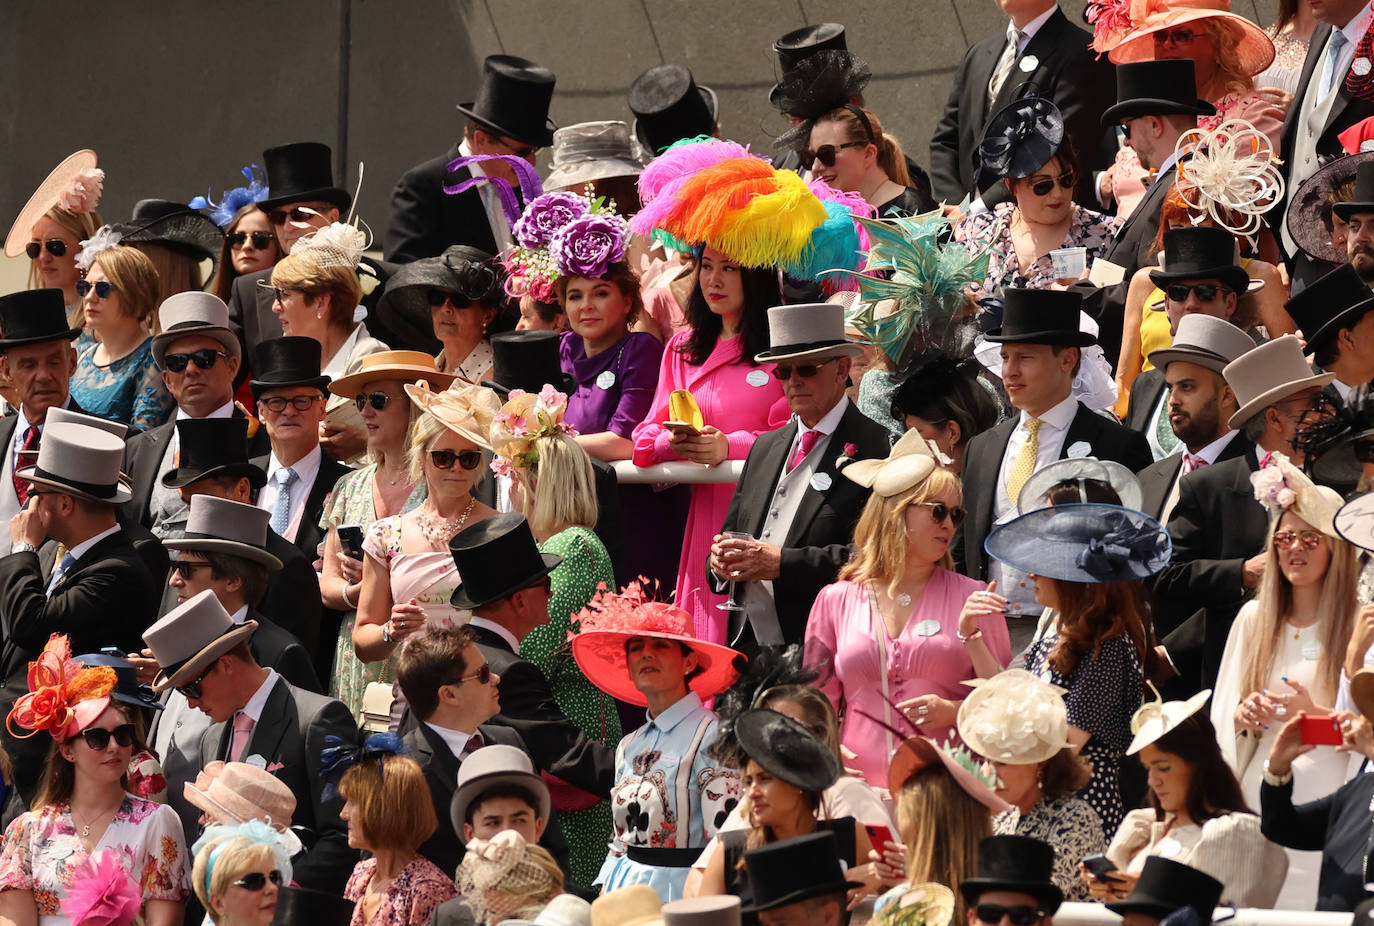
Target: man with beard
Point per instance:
(1334, 316)
(1358, 215)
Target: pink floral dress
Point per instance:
(411, 898)
(42, 852)
(429, 578)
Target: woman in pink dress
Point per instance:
(900, 629)
(713, 359)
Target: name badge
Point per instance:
(1170, 847)
(1360, 66)
(606, 380)
(927, 628)
(820, 482)
(1029, 63)
(1078, 449)
(1311, 651)
(757, 378)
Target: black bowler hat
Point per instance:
(497, 558)
(796, 46)
(1334, 301)
(1014, 863)
(526, 360)
(792, 870)
(1201, 253)
(1041, 316)
(1362, 200)
(299, 906)
(1166, 886)
(212, 447)
(173, 225)
(669, 106)
(514, 99)
(302, 172)
(1156, 88)
(32, 316)
(287, 361)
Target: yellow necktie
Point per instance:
(1024, 464)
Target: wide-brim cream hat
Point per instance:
(236, 792)
(1158, 717)
(463, 408)
(1015, 718)
(1267, 373)
(47, 195)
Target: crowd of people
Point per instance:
(698, 535)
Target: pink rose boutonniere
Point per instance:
(851, 451)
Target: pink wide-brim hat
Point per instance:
(1253, 47)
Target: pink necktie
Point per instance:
(808, 440)
(1191, 463)
(243, 731)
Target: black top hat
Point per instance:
(1332, 302)
(300, 173)
(1165, 886)
(1041, 316)
(796, 46)
(32, 316)
(1362, 200)
(669, 106)
(514, 99)
(287, 361)
(1201, 253)
(786, 750)
(1014, 863)
(299, 906)
(127, 690)
(792, 870)
(496, 558)
(174, 225)
(1020, 139)
(212, 447)
(526, 360)
(1156, 88)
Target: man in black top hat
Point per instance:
(669, 106)
(1013, 880)
(1165, 887)
(1334, 315)
(509, 117)
(799, 881)
(1358, 215)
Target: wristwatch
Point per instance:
(386, 633)
(23, 547)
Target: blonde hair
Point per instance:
(1234, 77)
(340, 283)
(1335, 616)
(881, 535)
(941, 826)
(559, 488)
(134, 277)
(395, 810)
(424, 431)
(890, 156)
(82, 227)
(375, 456)
(240, 853)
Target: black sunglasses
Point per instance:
(437, 297)
(444, 459)
(102, 288)
(1066, 181)
(98, 739)
(55, 246)
(1020, 915)
(260, 239)
(483, 675)
(939, 511)
(519, 150)
(1178, 292)
(784, 371)
(299, 214)
(205, 358)
(187, 567)
(826, 153)
(191, 689)
(278, 403)
(378, 400)
(256, 881)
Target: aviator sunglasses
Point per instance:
(1066, 181)
(784, 371)
(1286, 540)
(260, 239)
(483, 675)
(444, 459)
(256, 880)
(205, 358)
(102, 288)
(55, 246)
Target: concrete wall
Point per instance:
(177, 96)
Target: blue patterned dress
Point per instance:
(129, 389)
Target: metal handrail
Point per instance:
(678, 471)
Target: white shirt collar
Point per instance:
(80, 549)
(1058, 417)
(1214, 449)
(307, 467)
(1356, 28)
(829, 421)
(239, 616)
(256, 703)
(1347, 393)
(224, 411)
(455, 740)
(497, 629)
(1032, 27)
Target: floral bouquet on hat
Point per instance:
(563, 234)
(1280, 486)
(520, 423)
(64, 696)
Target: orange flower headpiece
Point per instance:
(64, 696)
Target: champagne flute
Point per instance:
(730, 604)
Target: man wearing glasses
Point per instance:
(509, 117)
(792, 499)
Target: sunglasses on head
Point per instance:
(483, 675)
(187, 567)
(260, 239)
(98, 739)
(256, 880)
(1066, 181)
(1020, 915)
(301, 214)
(1285, 540)
(826, 153)
(54, 246)
(438, 297)
(102, 288)
(278, 403)
(444, 459)
(939, 511)
(378, 400)
(784, 371)
(205, 358)
(1206, 292)
(191, 689)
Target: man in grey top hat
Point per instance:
(791, 499)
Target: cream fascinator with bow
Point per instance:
(910, 462)
(463, 408)
(1280, 486)
(1159, 717)
(1015, 718)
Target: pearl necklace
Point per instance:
(441, 530)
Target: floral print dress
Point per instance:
(42, 853)
(412, 897)
(992, 229)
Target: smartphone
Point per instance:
(682, 428)
(1099, 865)
(1320, 731)
(878, 835)
(351, 539)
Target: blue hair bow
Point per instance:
(337, 759)
(1107, 557)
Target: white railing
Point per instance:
(678, 471)
(1094, 914)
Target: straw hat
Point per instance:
(1253, 47)
(1280, 486)
(191, 636)
(235, 792)
(910, 461)
(636, 905)
(1015, 718)
(1270, 372)
(406, 365)
(463, 408)
(49, 194)
(1158, 717)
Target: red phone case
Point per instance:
(878, 835)
(1320, 731)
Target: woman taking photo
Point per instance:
(116, 377)
(900, 627)
(848, 150)
(238, 871)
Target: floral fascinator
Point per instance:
(464, 408)
(910, 461)
(220, 836)
(74, 185)
(64, 696)
(1015, 718)
(1280, 486)
(102, 893)
(524, 419)
(974, 777)
(564, 234)
(223, 212)
(1158, 717)
(1231, 176)
(340, 756)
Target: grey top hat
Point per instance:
(591, 151)
(714, 910)
(808, 329)
(1209, 342)
(59, 415)
(194, 313)
(191, 636)
(1268, 373)
(79, 460)
(219, 525)
(491, 766)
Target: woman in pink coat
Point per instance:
(712, 358)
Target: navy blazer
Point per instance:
(1338, 825)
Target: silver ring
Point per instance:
(922, 710)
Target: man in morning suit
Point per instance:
(258, 715)
(100, 594)
(1041, 344)
(792, 499)
(506, 586)
(1336, 317)
(1039, 48)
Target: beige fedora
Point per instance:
(236, 792)
(58, 415)
(808, 329)
(405, 365)
(191, 636)
(194, 313)
(636, 905)
(1268, 373)
(219, 525)
(79, 460)
(463, 408)
(1209, 342)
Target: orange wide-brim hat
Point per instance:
(1253, 47)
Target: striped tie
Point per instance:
(1004, 63)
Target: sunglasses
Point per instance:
(278, 403)
(301, 214)
(1206, 292)
(187, 567)
(55, 246)
(438, 297)
(378, 400)
(191, 690)
(98, 739)
(102, 288)
(483, 675)
(1285, 540)
(256, 881)
(1066, 181)
(1019, 915)
(205, 358)
(519, 150)
(826, 153)
(444, 459)
(260, 239)
(939, 511)
(784, 371)
(1176, 36)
